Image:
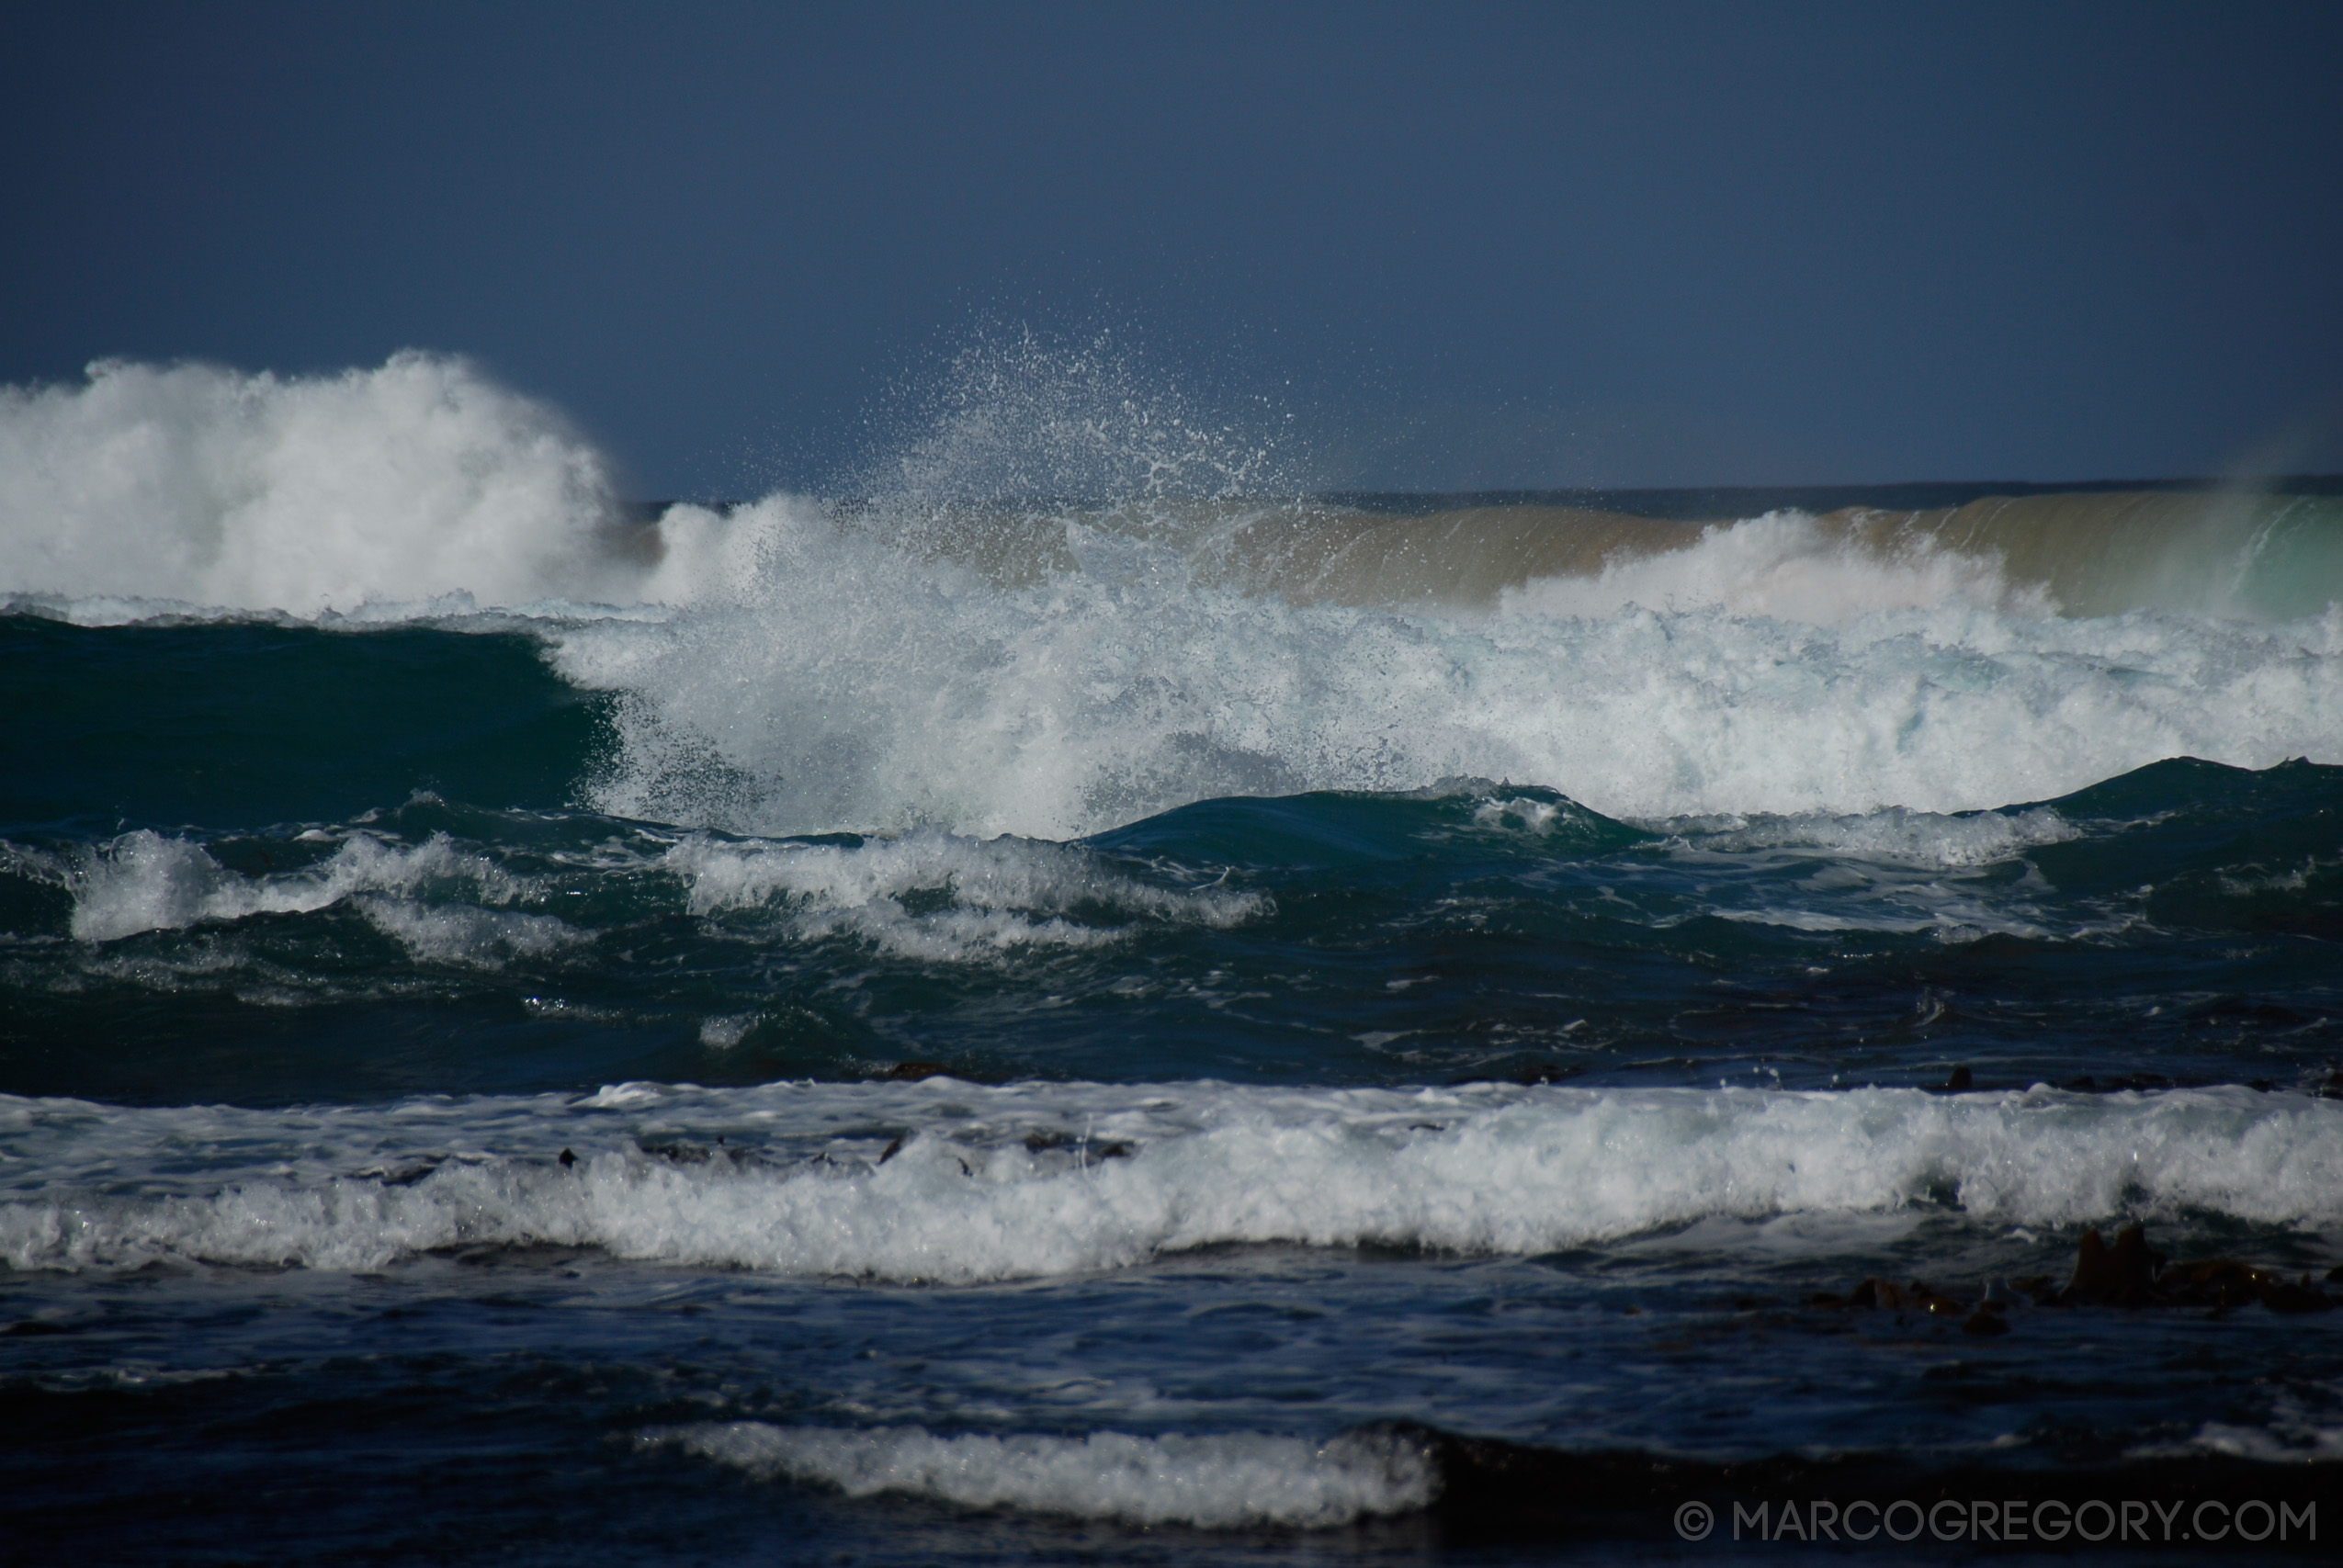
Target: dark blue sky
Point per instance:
(1462, 246)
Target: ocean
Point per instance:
(1077, 1001)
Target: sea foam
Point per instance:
(951, 1182)
(211, 488)
(999, 894)
(444, 903)
(926, 894)
(853, 685)
(1218, 1481)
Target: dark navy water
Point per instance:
(1186, 1028)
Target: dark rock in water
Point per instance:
(892, 1150)
(2335, 1275)
(921, 1071)
(2121, 1275)
(2129, 1273)
(2331, 1087)
(2286, 1295)
(2132, 1274)
(1038, 1142)
(1961, 1082)
(567, 1159)
(2139, 1082)
(2223, 1282)
(1529, 1076)
(1873, 1293)
(1914, 1297)
(2216, 1283)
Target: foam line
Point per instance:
(1220, 1481)
(972, 1194)
(928, 894)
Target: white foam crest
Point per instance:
(2301, 1428)
(1786, 566)
(144, 881)
(996, 888)
(851, 685)
(1915, 838)
(484, 939)
(1218, 1481)
(1124, 1175)
(213, 487)
(2288, 1443)
(1897, 871)
(1518, 814)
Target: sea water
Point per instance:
(1068, 1003)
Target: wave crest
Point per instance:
(208, 487)
(1221, 1480)
(1018, 1183)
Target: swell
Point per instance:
(2261, 557)
(243, 726)
(2257, 557)
(2175, 924)
(2239, 553)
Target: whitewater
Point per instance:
(790, 666)
(1032, 1181)
(1077, 992)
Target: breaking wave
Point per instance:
(949, 1183)
(932, 653)
(927, 894)
(859, 687)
